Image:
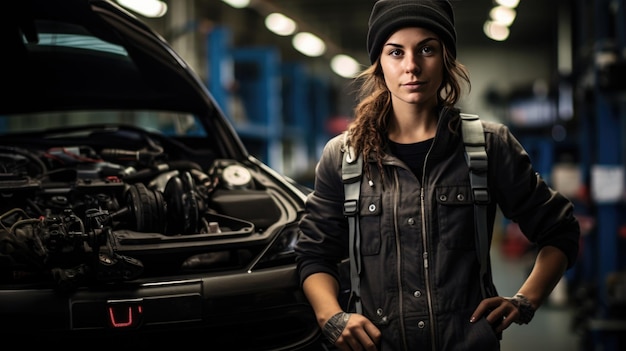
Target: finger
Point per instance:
(368, 337)
(355, 340)
(484, 307)
(359, 338)
(374, 333)
(503, 316)
(360, 334)
(497, 313)
(506, 322)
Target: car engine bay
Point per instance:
(75, 211)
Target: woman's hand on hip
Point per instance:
(498, 311)
(357, 334)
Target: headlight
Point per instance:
(281, 250)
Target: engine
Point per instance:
(66, 211)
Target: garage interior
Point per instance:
(557, 81)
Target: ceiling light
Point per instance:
(238, 4)
(502, 15)
(496, 31)
(345, 66)
(146, 8)
(508, 3)
(309, 44)
(280, 24)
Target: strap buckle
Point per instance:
(350, 207)
(481, 196)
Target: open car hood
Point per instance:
(98, 181)
(66, 55)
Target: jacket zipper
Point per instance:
(398, 259)
(431, 317)
(431, 314)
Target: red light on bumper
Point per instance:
(125, 314)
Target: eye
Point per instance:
(427, 50)
(395, 52)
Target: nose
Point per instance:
(411, 63)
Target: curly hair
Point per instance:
(368, 130)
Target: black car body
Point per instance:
(131, 213)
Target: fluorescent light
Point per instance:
(309, 44)
(238, 4)
(280, 24)
(345, 66)
(496, 31)
(146, 8)
(503, 15)
(508, 3)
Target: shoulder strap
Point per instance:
(476, 157)
(352, 169)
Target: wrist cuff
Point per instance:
(526, 310)
(335, 326)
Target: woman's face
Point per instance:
(412, 64)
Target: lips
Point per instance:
(414, 85)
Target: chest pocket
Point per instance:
(455, 215)
(370, 212)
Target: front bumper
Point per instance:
(262, 310)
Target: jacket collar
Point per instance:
(445, 140)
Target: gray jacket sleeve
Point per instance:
(544, 215)
(323, 240)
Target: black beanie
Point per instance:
(390, 15)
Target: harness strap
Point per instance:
(352, 169)
(476, 157)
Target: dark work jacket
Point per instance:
(420, 272)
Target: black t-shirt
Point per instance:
(412, 154)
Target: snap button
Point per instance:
(460, 197)
(443, 197)
(372, 208)
(421, 324)
(411, 221)
(417, 293)
(379, 312)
